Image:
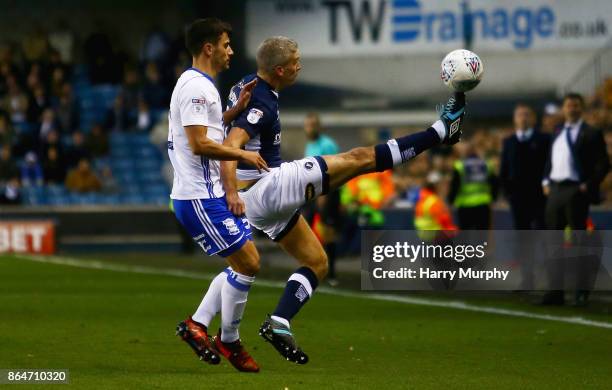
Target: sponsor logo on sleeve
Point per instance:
(197, 105)
(254, 116)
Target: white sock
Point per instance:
(438, 126)
(211, 304)
(281, 320)
(233, 301)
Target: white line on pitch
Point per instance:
(94, 264)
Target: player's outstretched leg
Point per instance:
(358, 161)
(196, 336)
(302, 244)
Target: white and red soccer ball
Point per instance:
(461, 70)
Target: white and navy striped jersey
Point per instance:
(195, 101)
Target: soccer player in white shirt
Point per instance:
(195, 148)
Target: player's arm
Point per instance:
(203, 146)
(236, 138)
(243, 101)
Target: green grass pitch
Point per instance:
(116, 330)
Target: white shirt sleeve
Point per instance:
(194, 104)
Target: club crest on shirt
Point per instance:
(308, 165)
(231, 227)
(254, 116)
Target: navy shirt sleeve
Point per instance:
(254, 119)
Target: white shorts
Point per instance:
(273, 202)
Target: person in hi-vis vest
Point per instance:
(473, 189)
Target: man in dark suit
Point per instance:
(577, 164)
(524, 157)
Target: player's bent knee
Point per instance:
(246, 260)
(247, 265)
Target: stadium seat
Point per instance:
(54, 190)
(132, 199)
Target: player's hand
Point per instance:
(245, 94)
(254, 159)
(235, 204)
(546, 190)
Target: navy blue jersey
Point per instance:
(260, 120)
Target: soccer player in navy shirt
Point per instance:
(271, 200)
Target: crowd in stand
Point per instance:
(43, 139)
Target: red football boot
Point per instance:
(195, 335)
(236, 354)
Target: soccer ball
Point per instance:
(461, 70)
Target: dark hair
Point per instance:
(574, 96)
(202, 31)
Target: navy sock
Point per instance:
(399, 150)
(298, 290)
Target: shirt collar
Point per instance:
(573, 126)
(524, 133)
(267, 85)
(202, 73)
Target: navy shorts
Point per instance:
(212, 225)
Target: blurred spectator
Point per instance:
(58, 79)
(82, 178)
(7, 133)
(96, 142)
(35, 45)
(153, 90)
(473, 189)
(66, 110)
(130, 90)
(117, 117)
(15, 102)
(54, 168)
(144, 116)
(11, 193)
(38, 103)
(8, 167)
(31, 171)
(524, 156)
(365, 196)
(100, 57)
(323, 214)
(318, 144)
(577, 165)
(62, 40)
(52, 141)
(109, 184)
(47, 123)
(431, 214)
(77, 151)
(551, 118)
(155, 47)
